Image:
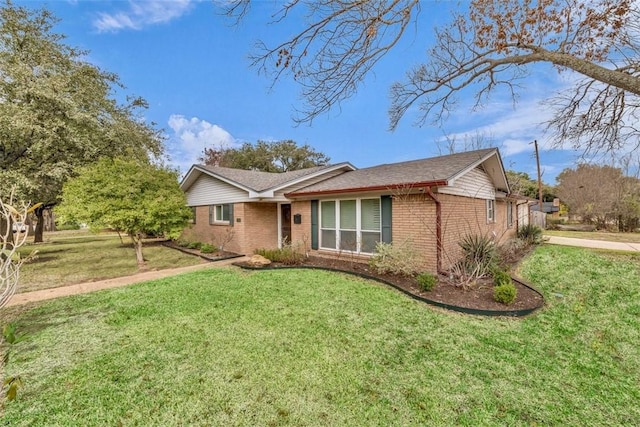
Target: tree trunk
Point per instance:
(137, 244)
(38, 234)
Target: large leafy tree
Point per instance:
(486, 45)
(276, 156)
(601, 194)
(133, 197)
(57, 111)
(522, 184)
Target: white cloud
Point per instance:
(191, 136)
(142, 13)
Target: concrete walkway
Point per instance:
(597, 244)
(116, 282)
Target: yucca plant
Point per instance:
(530, 233)
(479, 253)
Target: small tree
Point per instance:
(136, 198)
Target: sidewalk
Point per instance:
(116, 282)
(597, 244)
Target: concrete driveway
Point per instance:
(597, 244)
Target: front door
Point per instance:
(285, 224)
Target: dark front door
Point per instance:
(285, 224)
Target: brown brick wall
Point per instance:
(414, 223)
(301, 233)
(258, 228)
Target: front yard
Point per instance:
(69, 258)
(305, 347)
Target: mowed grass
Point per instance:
(313, 348)
(69, 259)
(596, 235)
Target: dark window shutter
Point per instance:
(231, 219)
(314, 224)
(211, 214)
(385, 210)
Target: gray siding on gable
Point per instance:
(209, 191)
(475, 183)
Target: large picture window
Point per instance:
(351, 225)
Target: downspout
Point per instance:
(438, 228)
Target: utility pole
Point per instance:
(535, 144)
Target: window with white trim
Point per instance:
(219, 214)
(509, 214)
(352, 225)
(491, 211)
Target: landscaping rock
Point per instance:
(258, 261)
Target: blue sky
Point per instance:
(192, 65)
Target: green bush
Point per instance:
(194, 245)
(207, 248)
(426, 281)
(286, 255)
(399, 259)
(505, 294)
(479, 254)
(67, 226)
(182, 243)
(500, 277)
(531, 234)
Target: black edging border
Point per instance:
(465, 310)
(201, 255)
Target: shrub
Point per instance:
(399, 259)
(207, 248)
(531, 234)
(194, 245)
(505, 294)
(500, 277)
(287, 255)
(182, 243)
(479, 254)
(511, 251)
(426, 281)
(67, 226)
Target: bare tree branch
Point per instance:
(486, 47)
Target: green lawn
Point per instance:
(596, 235)
(71, 258)
(314, 348)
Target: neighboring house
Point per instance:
(429, 204)
(550, 208)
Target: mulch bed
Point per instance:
(215, 256)
(478, 299)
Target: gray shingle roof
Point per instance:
(434, 169)
(260, 181)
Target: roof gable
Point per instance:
(258, 184)
(434, 171)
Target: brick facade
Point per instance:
(255, 226)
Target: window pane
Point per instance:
(218, 212)
(348, 240)
(328, 215)
(328, 239)
(348, 215)
(370, 214)
(369, 240)
(225, 213)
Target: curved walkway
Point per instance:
(596, 244)
(116, 282)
